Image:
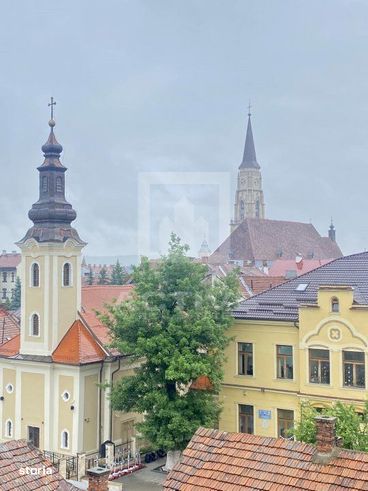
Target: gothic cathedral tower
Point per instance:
(249, 200)
(51, 260)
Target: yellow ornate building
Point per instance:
(305, 340)
(51, 370)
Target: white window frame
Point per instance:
(6, 433)
(31, 275)
(64, 394)
(9, 388)
(70, 275)
(65, 431)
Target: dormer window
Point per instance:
(35, 275)
(335, 306)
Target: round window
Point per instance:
(65, 396)
(10, 388)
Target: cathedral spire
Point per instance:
(249, 156)
(52, 215)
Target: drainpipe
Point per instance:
(100, 407)
(111, 385)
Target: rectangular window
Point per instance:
(5, 276)
(285, 422)
(4, 294)
(284, 361)
(13, 277)
(319, 366)
(34, 436)
(245, 358)
(246, 419)
(354, 368)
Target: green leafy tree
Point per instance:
(351, 427)
(118, 275)
(90, 276)
(175, 324)
(15, 303)
(102, 276)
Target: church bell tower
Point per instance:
(249, 200)
(51, 259)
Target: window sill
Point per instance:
(239, 375)
(325, 386)
(352, 387)
(283, 380)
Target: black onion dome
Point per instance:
(52, 214)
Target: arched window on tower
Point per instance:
(44, 184)
(59, 184)
(35, 325)
(65, 439)
(242, 209)
(35, 275)
(67, 276)
(9, 428)
(257, 209)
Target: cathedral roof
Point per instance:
(267, 240)
(249, 156)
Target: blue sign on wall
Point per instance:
(264, 414)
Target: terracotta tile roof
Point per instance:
(9, 326)
(286, 267)
(16, 455)
(95, 297)
(259, 284)
(282, 302)
(10, 348)
(258, 240)
(78, 347)
(215, 460)
(9, 260)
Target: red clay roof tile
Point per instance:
(262, 463)
(78, 347)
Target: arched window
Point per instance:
(65, 439)
(44, 184)
(241, 209)
(9, 428)
(35, 325)
(335, 307)
(257, 208)
(67, 277)
(35, 273)
(59, 184)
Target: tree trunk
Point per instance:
(172, 457)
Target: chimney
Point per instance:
(98, 479)
(325, 439)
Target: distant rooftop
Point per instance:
(282, 302)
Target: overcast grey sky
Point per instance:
(163, 85)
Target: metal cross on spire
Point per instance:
(51, 105)
(249, 108)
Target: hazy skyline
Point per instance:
(163, 86)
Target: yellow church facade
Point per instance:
(54, 371)
(305, 340)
